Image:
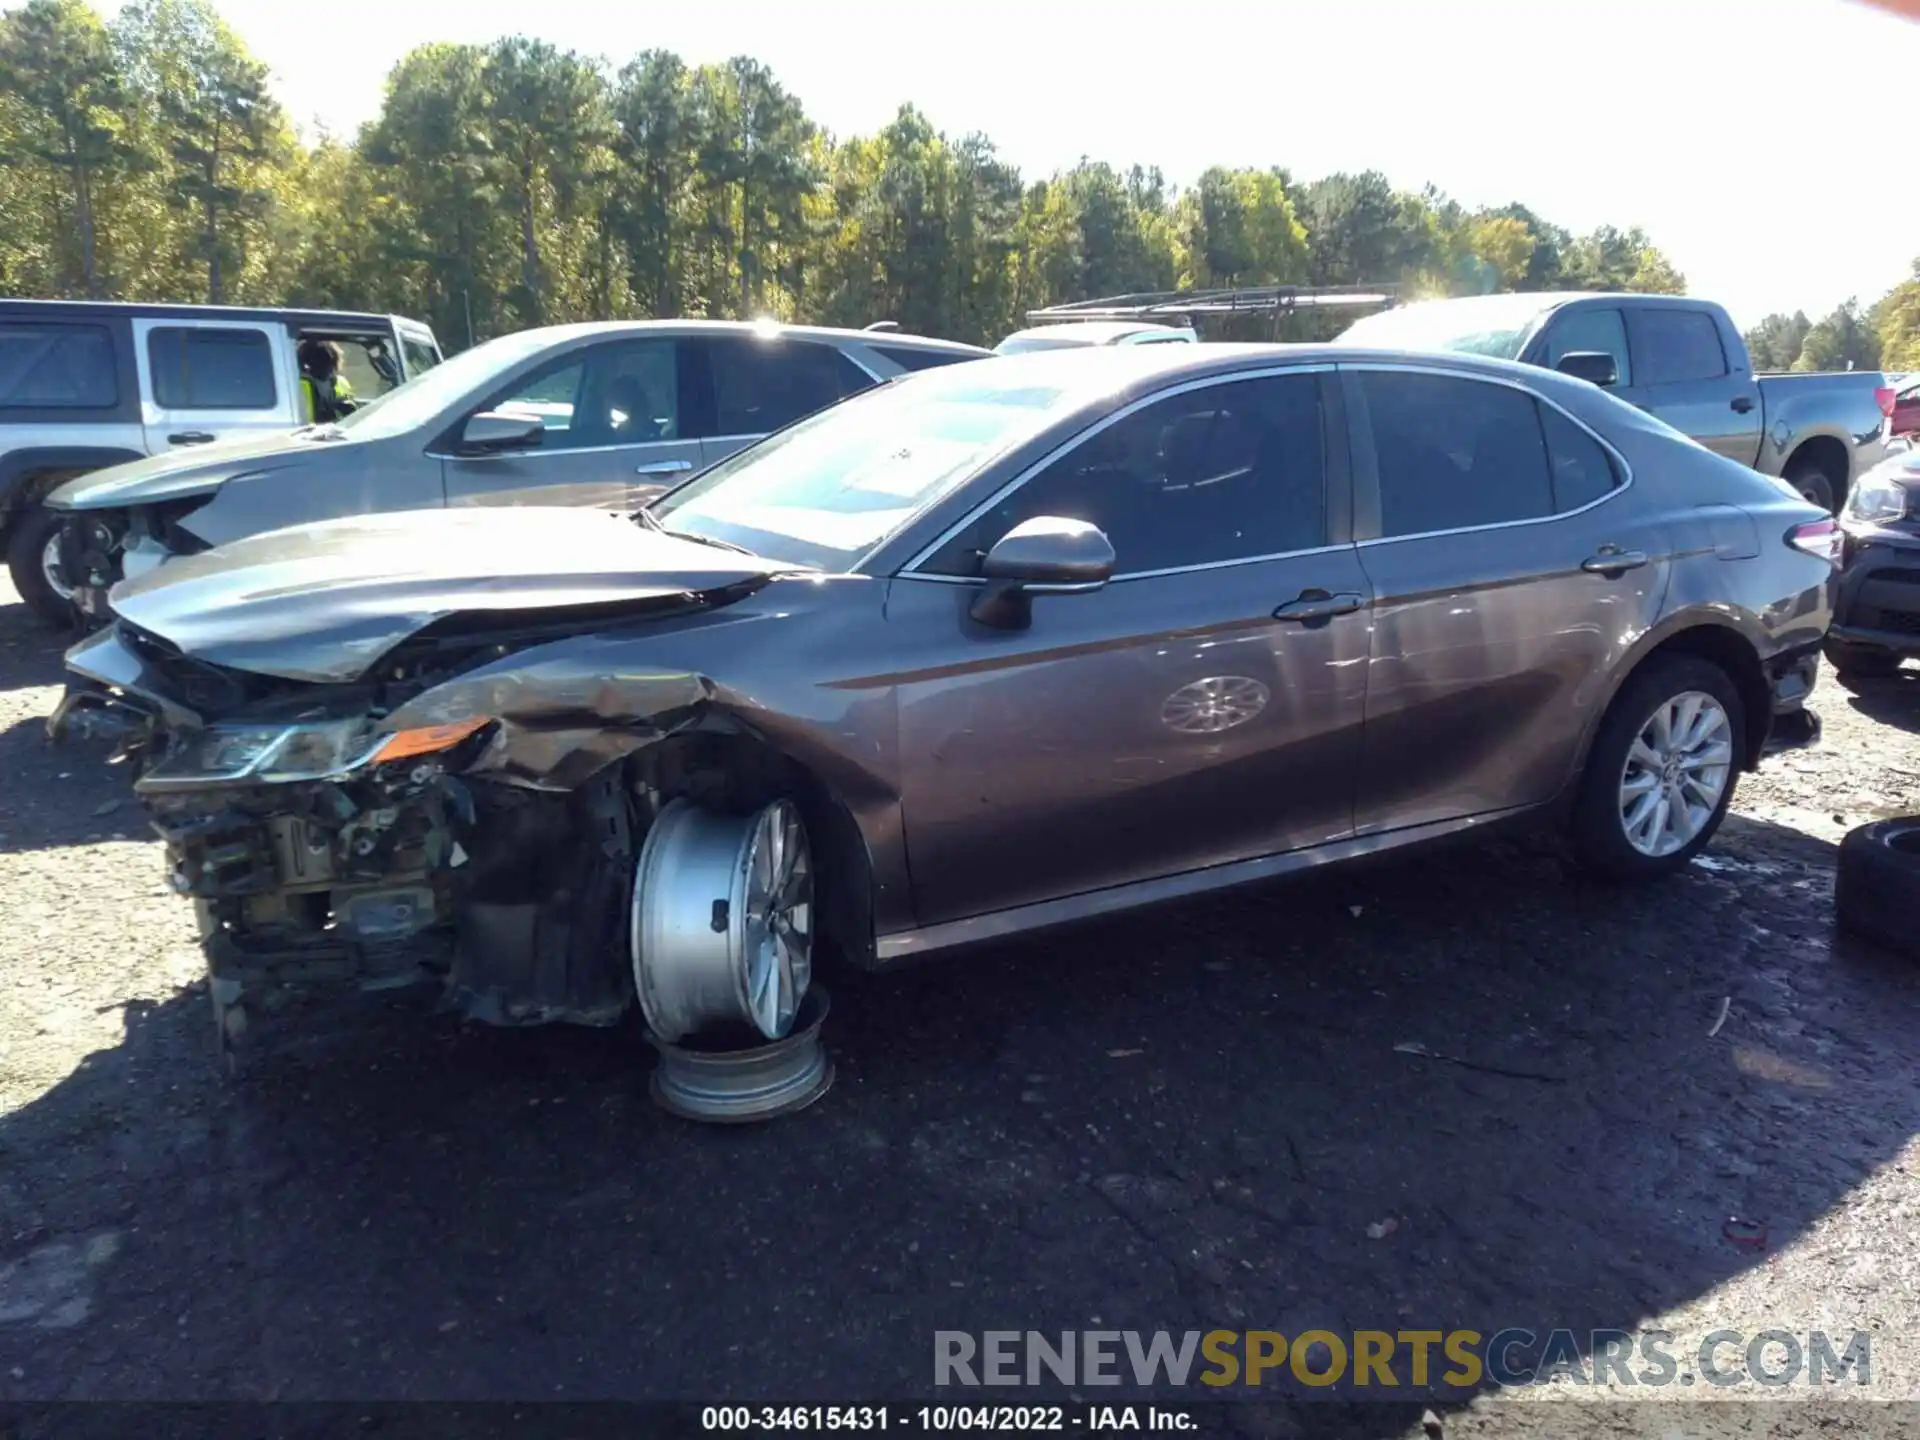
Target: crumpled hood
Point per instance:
(324, 602)
(190, 470)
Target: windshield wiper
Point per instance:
(709, 540)
(652, 522)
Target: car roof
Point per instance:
(1125, 364)
(1089, 332)
(587, 329)
(1543, 300)
(136, 309)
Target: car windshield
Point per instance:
(419, 400)
(825, 491)
(1495, 325)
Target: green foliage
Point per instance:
(63, 94)
(1846, 339)
(1775, 342)
(517, 184)
(1842, 341)
(1896, 319)
(222, 139)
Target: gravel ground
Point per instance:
(1188, 1119)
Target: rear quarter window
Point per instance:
(57, 367)
(1583, 472)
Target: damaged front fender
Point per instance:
(562, 713)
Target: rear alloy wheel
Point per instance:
(1662, 770)
(33, 562)
(722, 920)
(1877, 876)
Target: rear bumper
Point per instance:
(1877, 598)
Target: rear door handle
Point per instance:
(1318, 605)
(190, 437)
(1611, 561)
(1743, 403)
(665, 467)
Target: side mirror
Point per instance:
(1047, 555)
(1596, 367)
(492, 431)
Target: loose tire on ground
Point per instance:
(27, 541)
(1877, 885)
(1599, 835)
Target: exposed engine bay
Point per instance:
(344, 833)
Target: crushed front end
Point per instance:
(323, 847)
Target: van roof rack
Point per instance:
(1180, 307)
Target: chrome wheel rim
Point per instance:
(1217, 703)
(777, 935)
(50, 568)
(1676, 773)
(721, 925)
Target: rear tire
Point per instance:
(1814, 484)
(1861, 662)
(1602, 808)
(34, 530)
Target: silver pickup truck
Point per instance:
(1679, 359)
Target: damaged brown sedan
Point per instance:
(990, 648)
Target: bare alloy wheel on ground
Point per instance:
(1199, 1117)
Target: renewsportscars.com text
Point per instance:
(1390, 1359)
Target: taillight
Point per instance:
(1817, 537)
(1883, 397)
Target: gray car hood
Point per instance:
(191, 470)
(324, 602)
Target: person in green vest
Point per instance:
(325, 394)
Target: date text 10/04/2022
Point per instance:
(1007, 1419)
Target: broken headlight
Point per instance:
(231, 754)
(276, 754)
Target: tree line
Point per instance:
(1885, 335)
(519, 184)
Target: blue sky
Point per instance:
(1754, 139)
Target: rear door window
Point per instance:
(1455, 453)
(211, 368)
(1673, 347)
(57, 367)
(760, 386)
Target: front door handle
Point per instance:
(1612, 560)
(1318, 605)
(665, 467)
(190, 437)
(1743, 403)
